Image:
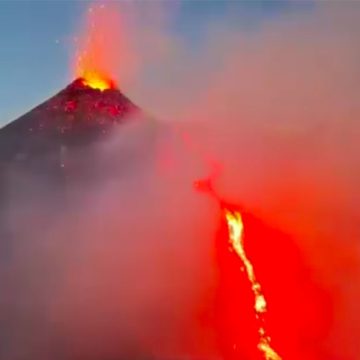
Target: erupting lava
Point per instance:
(236, 237)
(101, 49)
(96, 80)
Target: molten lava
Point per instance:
(235, 229)
(96, 80)
(236, 238)
(101, 49)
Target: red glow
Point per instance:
(70, 105)
(96, 80)
(100, 48)
(298, 316)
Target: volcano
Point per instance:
(55, 144)
(76, 116)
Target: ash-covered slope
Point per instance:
(77, 115)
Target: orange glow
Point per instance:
(95, 80)
(236, 238)
(101, 49)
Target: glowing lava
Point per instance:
(96, 80)
(236, 238)
(235, 227)
(101, 49)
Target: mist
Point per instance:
(122, 264)
(277, 107)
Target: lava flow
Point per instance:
(235, 228)
(236, 238)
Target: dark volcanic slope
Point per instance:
(55, 146)
(50, 158)
(77, 115)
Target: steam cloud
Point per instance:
(278, 108)
(128, 259)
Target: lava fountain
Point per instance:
(101, 48)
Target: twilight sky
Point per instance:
(36, 39)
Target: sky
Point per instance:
(36, 39)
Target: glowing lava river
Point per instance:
(236, 238)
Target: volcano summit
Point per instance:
(56, 145)
(77, 115)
